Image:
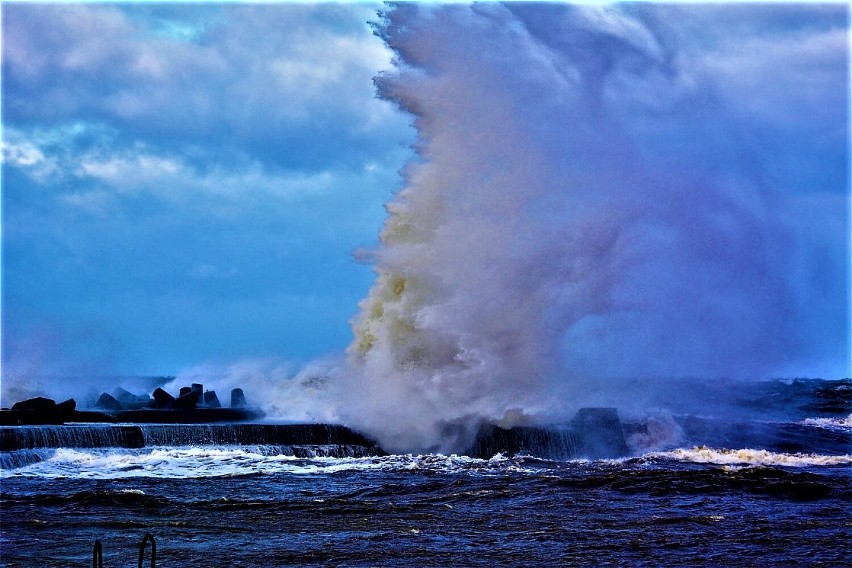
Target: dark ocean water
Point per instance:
(773, 504)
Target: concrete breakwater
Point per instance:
(593, 433)
(195, 417)
(14, 438)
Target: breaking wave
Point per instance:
(209, 462)
(179, 463)
(751, 457)
(840, 424)
(553, 236)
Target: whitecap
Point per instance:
(752, 457)
(202, 462)
(842, 424)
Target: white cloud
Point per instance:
(130, 171)
(96, 202)
(782, 80)
(28, 157)
(613, 21)
(253, 74)
(96, 178)
(22, 155)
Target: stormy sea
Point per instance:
(769, 488)
(599, 197)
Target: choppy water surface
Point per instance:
(724, 502)
(243, 508)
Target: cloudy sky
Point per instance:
(188, 184)
(184, 184)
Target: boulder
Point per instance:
(162, 399)
(67, 407)
(184, 391)
(187, 401)
(198, 389)
(123, 396)
(108, 402)
(144, 401)
(211, 400)
(37, 410)
(129, 400)
(39, 404)
(238, 399)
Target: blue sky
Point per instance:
(187, 184)
(184, 184)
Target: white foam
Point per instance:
(843, 424)
(180, 463)
(703, 454)
(224, 461)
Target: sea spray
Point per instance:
(583, 207)
(284, 390)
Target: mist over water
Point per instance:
(586, 208)
(639, 206)
(623, 206)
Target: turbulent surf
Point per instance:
(605, 246)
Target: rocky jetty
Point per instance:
(42, 410)
(594, 433)
(193, 405)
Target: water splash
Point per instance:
(582, 208)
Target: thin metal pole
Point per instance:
(97, 555)
(145, 539)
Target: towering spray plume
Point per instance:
(583, 208)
